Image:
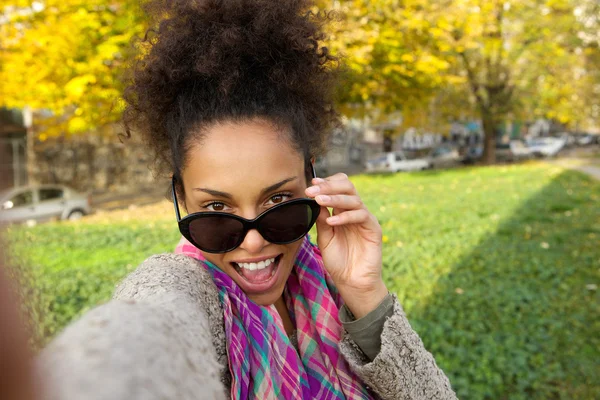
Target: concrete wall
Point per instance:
(92, 163)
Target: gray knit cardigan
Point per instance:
(162, 337)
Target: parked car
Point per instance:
(547, 146)
(520, 150)
(585, 140)
(444, 156)
(396, 161)
(570, 139)
(504, 152)
(513, 151)
(43, 203)
(472, 154)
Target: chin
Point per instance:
(266, 299)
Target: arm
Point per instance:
(157, 346)
(350, 241)
(403, 368)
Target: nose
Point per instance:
(253, 242)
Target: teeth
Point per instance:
(258, 265)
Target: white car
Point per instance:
(444, 156)
(395, 161)
(43, 203)
(519, 150)
(585, 140)
(547, 146)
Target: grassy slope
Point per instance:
(491, 266)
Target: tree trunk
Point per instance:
(489, 136)
(91, 161)
(29, 145)
(388, 143)
(31, 162)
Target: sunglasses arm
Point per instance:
(175, 199)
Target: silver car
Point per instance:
(43, 203)
(444, 156)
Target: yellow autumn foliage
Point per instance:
(69, 56)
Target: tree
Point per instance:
(388, 63)
(519, 59)
(513, 55)
(497, 58)
(66, 58)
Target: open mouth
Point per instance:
(260, 272)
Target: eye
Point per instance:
(216, 206)
(279, 198)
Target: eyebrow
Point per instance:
(226, 195)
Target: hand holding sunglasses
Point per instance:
(350, 240)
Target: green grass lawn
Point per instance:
(495, 267)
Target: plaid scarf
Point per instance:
(262, 361)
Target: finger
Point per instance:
(361, 216)
(337, 177)
(343, 186)
(340, 176)
(324, 230)
(340, 201)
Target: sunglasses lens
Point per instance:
(287, 223)
(216, 233)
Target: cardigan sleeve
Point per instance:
(366, 331)
(403, 368)
(153, 341)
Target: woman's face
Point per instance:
(244, 168)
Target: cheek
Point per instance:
(291, 252)
(216, 259)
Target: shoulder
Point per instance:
(172, 273)
(164, 279)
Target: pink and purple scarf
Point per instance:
(262, 361)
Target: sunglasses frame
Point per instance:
(247, 224)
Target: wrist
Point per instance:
(362, 302)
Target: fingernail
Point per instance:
(323, 198)
(333, 219)
(313, 190)
(318, 180)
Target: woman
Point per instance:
(234, 99)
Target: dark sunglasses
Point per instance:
(219, 232)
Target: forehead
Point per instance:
(242, 158)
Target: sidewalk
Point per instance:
(586, 161)
(591, 170)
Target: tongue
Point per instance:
(258, 275)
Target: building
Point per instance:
(13, 163)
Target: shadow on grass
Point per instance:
(518, 317)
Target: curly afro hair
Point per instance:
(213, 60)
